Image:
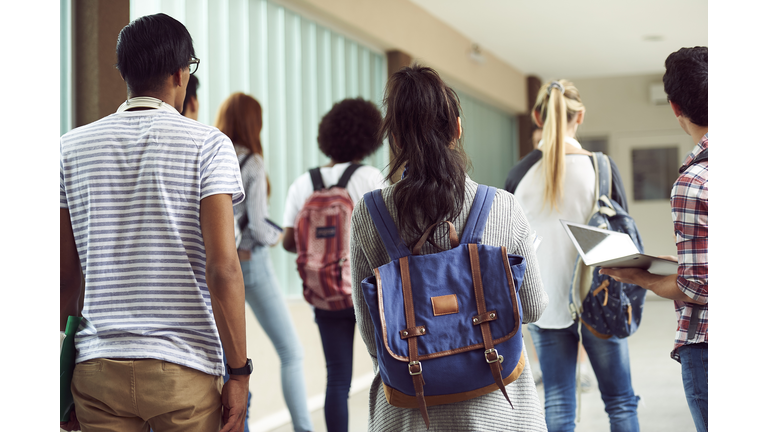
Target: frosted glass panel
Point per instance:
(490, 140)
(297, 70)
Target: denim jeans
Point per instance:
(263, 295)
(337, 332)
(694, 360)
(558, 351)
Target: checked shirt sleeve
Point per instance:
(690, 215)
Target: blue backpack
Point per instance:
(605, 306)
(446, 321)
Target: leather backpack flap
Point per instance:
(439, 334)
(437, 276)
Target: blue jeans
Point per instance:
(263, 295)
(558, 351)
(694, 360)
(337, 332)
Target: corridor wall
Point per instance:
(296, 68)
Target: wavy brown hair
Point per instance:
(240, 119)
(421, 123)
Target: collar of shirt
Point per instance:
(146, 102)
(569, 140)
(700, 147)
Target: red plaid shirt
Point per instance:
(689, 212)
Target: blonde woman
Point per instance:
(557, 181)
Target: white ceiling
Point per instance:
(577, 39)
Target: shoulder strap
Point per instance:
(520, 170)
(342, 183)
(317, 179)
(242, 162)
(481, 207)
(604, 174)
(700, 158)
(396, 249)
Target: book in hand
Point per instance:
(604, 248)
(67, 367)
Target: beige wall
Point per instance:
(620, 109)
(401, 25)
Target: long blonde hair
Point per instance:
(557, 104)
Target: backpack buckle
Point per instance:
(495, 358)
(418, 368)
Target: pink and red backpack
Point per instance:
(322, 243)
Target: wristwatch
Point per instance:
(245, 370)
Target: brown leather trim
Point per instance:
(513, 294)
(485, 317)
(381, 317)
(402, 400)
(445, 305)
(454, 238)
(594, 332)
(516, 312)
(413, 332)
(491, 355)
(414, 367)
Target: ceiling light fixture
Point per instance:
(476, 55)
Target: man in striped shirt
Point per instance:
(686, 85)
(146, 201)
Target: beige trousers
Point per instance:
(134, 395)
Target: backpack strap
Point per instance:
(700, 158)
(374, 201)
(317, 179)
(342, 183)
(603, 174)
(478, 214)
(242, 162)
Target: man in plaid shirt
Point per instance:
(685, 82)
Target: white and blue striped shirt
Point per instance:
(133, 182)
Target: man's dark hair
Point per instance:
(685, 82)
(151, 48)
(192, 87)
(350, 130)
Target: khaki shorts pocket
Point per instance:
(88, 367)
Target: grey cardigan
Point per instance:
(506, 226)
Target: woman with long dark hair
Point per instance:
(424, 130)
(240, 118)
(557, 181)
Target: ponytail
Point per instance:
(421, 123)
(556, 104)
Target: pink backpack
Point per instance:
(322, 243)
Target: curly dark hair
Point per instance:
(686, 83)
(350, 130)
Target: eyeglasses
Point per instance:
(193, 64)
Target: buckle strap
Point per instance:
(414, 365)
(492, 356)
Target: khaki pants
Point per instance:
(134, 395)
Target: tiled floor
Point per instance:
(656, 378)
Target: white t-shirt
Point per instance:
(556, 254)
(363, 180)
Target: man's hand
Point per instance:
(628, 275)
(234, 399)
(72, 424)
